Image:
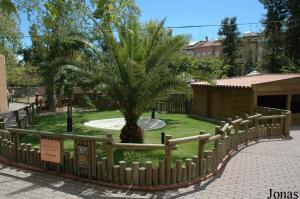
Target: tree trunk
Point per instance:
(51, 94)
(131, 132)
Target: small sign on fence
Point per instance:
(83, 153)
(51, 150)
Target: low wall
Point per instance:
(83, 162)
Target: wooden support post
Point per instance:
(216, 145)
(183, 173)
(287, 124)
(196, 161)
(16, 113)
(179, 170)
(173, 175)
(201, 145)
(110, 158)
(162, 172)
(128, 175)
(203, 169)
(135, 166)
(142, 175)
(104, 168)
(188, 165)
(155, 176)
(148, 173)
(122, 171)
(168, 160)
(116, 174)
(193, 172)
(99, 170)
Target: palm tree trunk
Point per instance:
(131, 132)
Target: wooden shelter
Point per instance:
(240, 95)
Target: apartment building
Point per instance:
(249, 46)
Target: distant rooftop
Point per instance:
(200, 44)
(248, 81)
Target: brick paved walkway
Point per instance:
(249, 174)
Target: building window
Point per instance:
(217, 54)
(208, 53)
(203, 53)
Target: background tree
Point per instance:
(292, 40)
(10, 36)
(214, 67)
(273, 47)
(229, 37)
(249, 64)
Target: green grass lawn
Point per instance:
(178, 125)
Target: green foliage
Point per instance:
(138, 71)
(115, 12)
(229, 37)
(215, 67)
(10, 36)
(24, 76)
(281, 47)
(249, 65)
(293, 32)
(7, 6)
(87, 102)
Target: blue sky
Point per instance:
(194, 12)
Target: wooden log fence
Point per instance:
(83, 160)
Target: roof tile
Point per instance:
(248, 81)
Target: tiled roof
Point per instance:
(212, 43)
(201, 44)
(248, 81)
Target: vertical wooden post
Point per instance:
(148, 173)
(183, 173)
(173, 175)
(179, 170)
(216, 147)
(287, 123)
(201, 145)
(188, 165)
(16, 113)
(135, 167)
(2, 123)
(128, 175)
(196, 161)
(168, 160)
(122, 171)
(104, 169)
(110, 158)
(162, 172)
(256, 129)
(155, 176)
(142, 175)
(116, 174)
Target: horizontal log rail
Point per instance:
(55, 135)
(188, 139)
(245, 122)
(271, 117)
(254, 116)
(216, 137)
(237, 121)
(131, 146)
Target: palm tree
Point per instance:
(137, 72)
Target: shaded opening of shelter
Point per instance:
(273, 101)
